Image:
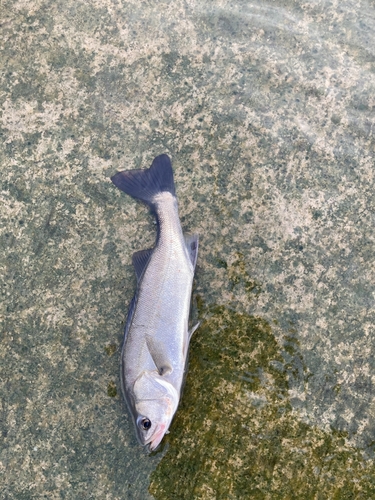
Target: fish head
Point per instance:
(156, 402)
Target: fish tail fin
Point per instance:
(145, 184)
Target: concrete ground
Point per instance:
(267, 110)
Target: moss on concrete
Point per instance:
(235, 434)
(112, 390)
(110, 349)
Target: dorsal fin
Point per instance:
(191, 242)
(192, 330)
(140, 260)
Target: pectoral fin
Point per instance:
(147, 387)
(159, 356)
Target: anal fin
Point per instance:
(140, 260)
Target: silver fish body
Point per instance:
(156, 341)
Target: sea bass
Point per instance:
(156, 338)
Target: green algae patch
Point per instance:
(239, 277)
(112, 390)
(235, 434)
(110, 349)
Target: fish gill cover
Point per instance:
(235, 435)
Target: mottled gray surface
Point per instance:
(267, 110)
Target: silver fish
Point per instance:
(156, 339)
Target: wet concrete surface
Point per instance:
(267, 110)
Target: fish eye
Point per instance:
(145, 423)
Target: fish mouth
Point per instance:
(157, 437)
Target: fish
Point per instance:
(156, 336)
